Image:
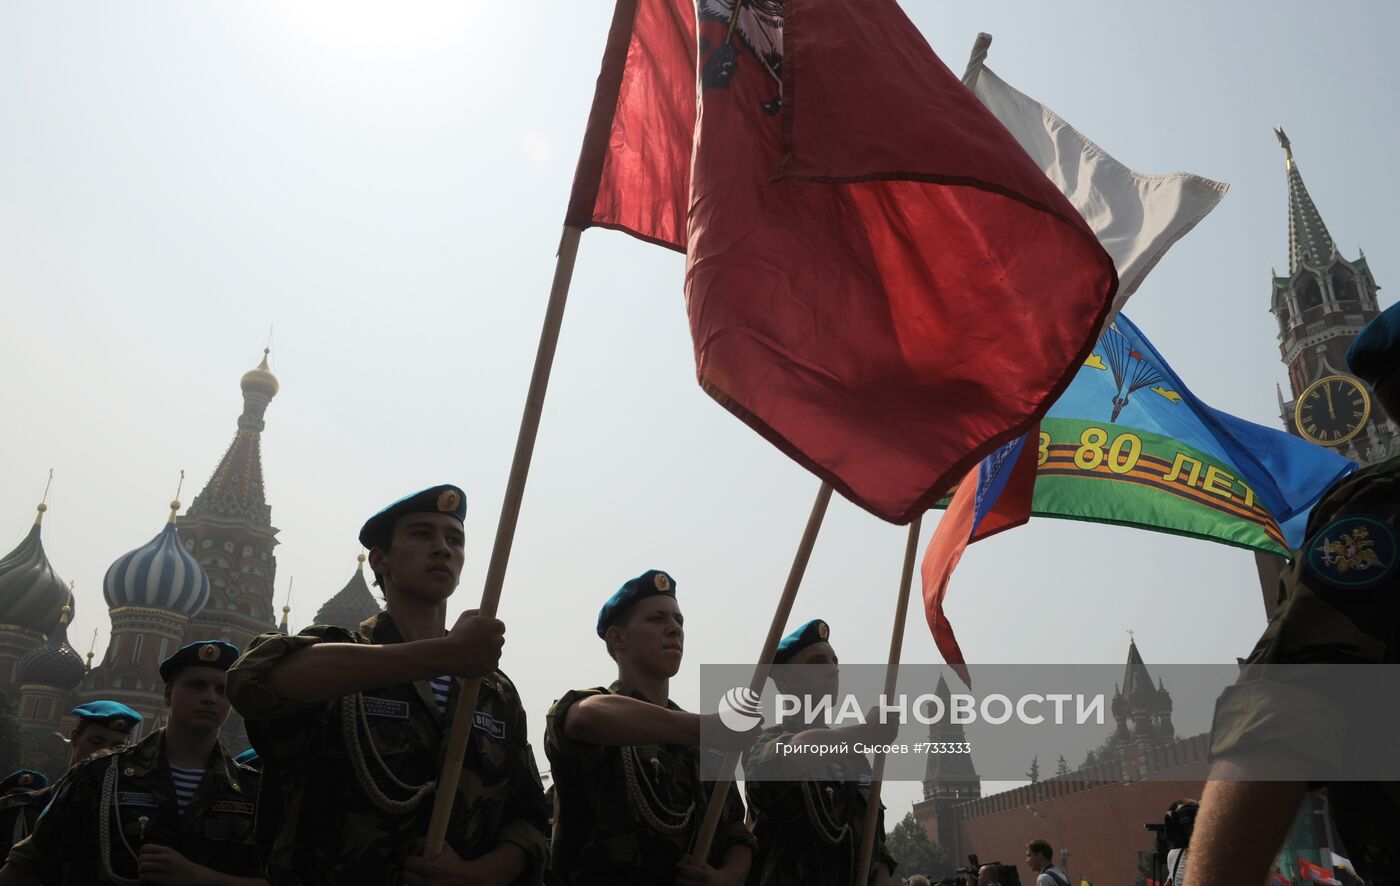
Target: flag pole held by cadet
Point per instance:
(706, 836)
(505, 533)
(580, 215)
(901, 609)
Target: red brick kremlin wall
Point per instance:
(1101, 811)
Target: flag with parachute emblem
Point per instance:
(1128, 443)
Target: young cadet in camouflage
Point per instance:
(809, 830)
(121, 814)
(22, 795)
(351, 727)
(625, 761)
(1341, 604)
(101, 725)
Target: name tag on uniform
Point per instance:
(134, 798)
(233, 806)
(488, 724)
(384, 707)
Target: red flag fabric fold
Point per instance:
(634, 168)
(879, 280)
(945, 549)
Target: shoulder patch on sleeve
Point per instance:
(1352, 552)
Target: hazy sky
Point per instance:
(385, 183)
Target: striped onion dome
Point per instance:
(55, 663)
(31, 594)
(160, 574)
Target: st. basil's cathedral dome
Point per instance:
(160, 574)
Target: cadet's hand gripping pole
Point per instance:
(901, 609)
(505, 533)
(760, 672)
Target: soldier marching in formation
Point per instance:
(626, 763)
(174, 808)
(351, 726)
(809, 809)
(23, 795)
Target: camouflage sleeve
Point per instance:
(60, 826)
(278, 728)
(563, 752)
(765, 753)
(526, 819)
(732, 829)
(758, 762)
(247, 679)
(1256, 713)
(1340, 604)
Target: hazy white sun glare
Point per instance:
(381, 27)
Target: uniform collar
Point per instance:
(380, 628)
(145, 759)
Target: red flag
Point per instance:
(879, 280)
(1316, 873)
(993, 497)
(1278, 879)
(634, 169)
(945, 549)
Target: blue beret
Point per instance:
(24, 778)
(248, 758)
(814, 631)
(1375, 353)
(112, 714)
(199, 654)
(651, 583)
(444, 499)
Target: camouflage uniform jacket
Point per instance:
(628, 814)
(18, 812)
(809, 832)
(1340, 604)
(317, 823)
(215, 830)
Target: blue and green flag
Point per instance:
(1128, 443)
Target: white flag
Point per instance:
(1136, 217)
(1338, 860)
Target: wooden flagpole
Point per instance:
(706, 836)
(872, 807)
(505, 532)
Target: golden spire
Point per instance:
(91, 647)
(361, 560)
(175, 502)
(44, 502)
(67, 614)
(1287, 147)
(287, 607)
